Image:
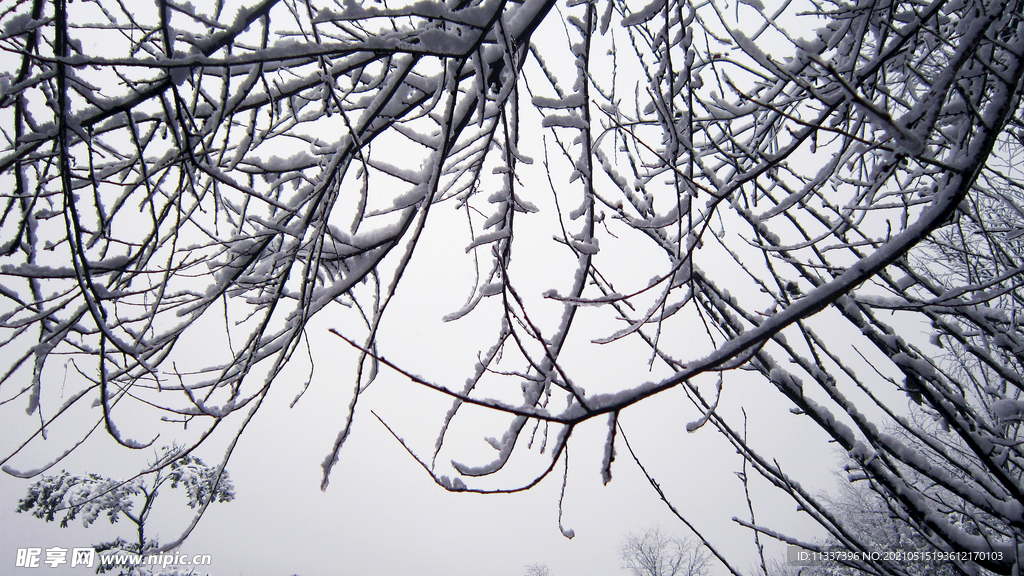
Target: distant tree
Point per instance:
(713, 189)
(538, 570)
(654, 553)
(86, 497)
(872, 525)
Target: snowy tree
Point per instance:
(868, 517)
(538, 570)
(605, 168)
(654, 553)
(86, 497)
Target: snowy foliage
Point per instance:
(88, 496)
(91, 495)
(618, 175)
(202, 483)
